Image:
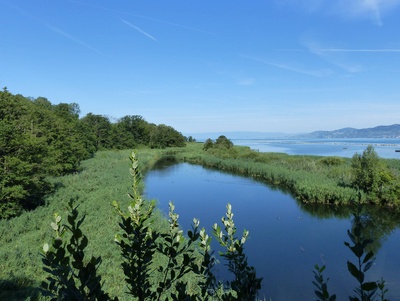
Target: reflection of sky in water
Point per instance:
(323, 147)
(285, 241)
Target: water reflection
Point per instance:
(287, 238)
(366, 235)
(376, 223)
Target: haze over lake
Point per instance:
(385, 148)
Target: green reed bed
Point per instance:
(307, 178)
(103, 179)
(310, 179)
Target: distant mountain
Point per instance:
(382, 131)
(236, 135)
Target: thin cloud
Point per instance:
(140, 16)
(336, 58)
(57, 30)
(172, 24)
(341, 57)
(358, 50)
(70, 37)
(139, 30)
(374, 10)
(315, 73)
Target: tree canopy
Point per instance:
(373, 176)
(40, 139)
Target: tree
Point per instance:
(37, 139)
(208, 144)
(163, 136)
(222, 141)
(131, 131)
(370, 173)
(97, 129)
(22, 153)
(190, 139)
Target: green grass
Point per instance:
(310, 179)
(103, 179)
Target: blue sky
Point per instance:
(210, 66)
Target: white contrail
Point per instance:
(139, 30)
(56, 30)
(140, 16)
(316, 73)
(358, 50)
(68, 36)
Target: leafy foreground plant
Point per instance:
(365, 290)
(70, 278)
(141, 244)
(322, 286)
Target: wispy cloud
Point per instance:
(72, 38)
(334, 57)
(172, 24)
(315, 73)
(374, 10)
(394, 50)
(139, 30)
(140, 16)
(57, 30)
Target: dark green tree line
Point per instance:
(39, 139)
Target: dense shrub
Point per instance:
(70, 277)
(374, 177)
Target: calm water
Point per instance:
(323, 147)
(286, 239)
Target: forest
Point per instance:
(39, 139)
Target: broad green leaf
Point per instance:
(54, 226)
(368, 256)
(369, 286)
(368, 266)
(355, 272)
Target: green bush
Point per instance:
(373, 176)
(70, 277)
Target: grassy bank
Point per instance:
(103, 179)
(106, 178)
(310, 179)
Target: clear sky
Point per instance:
(210, 65)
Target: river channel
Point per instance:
(286, 239)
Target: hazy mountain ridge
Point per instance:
(237, 135)
(382, 131)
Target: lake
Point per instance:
(386, 148)
(286, 239)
